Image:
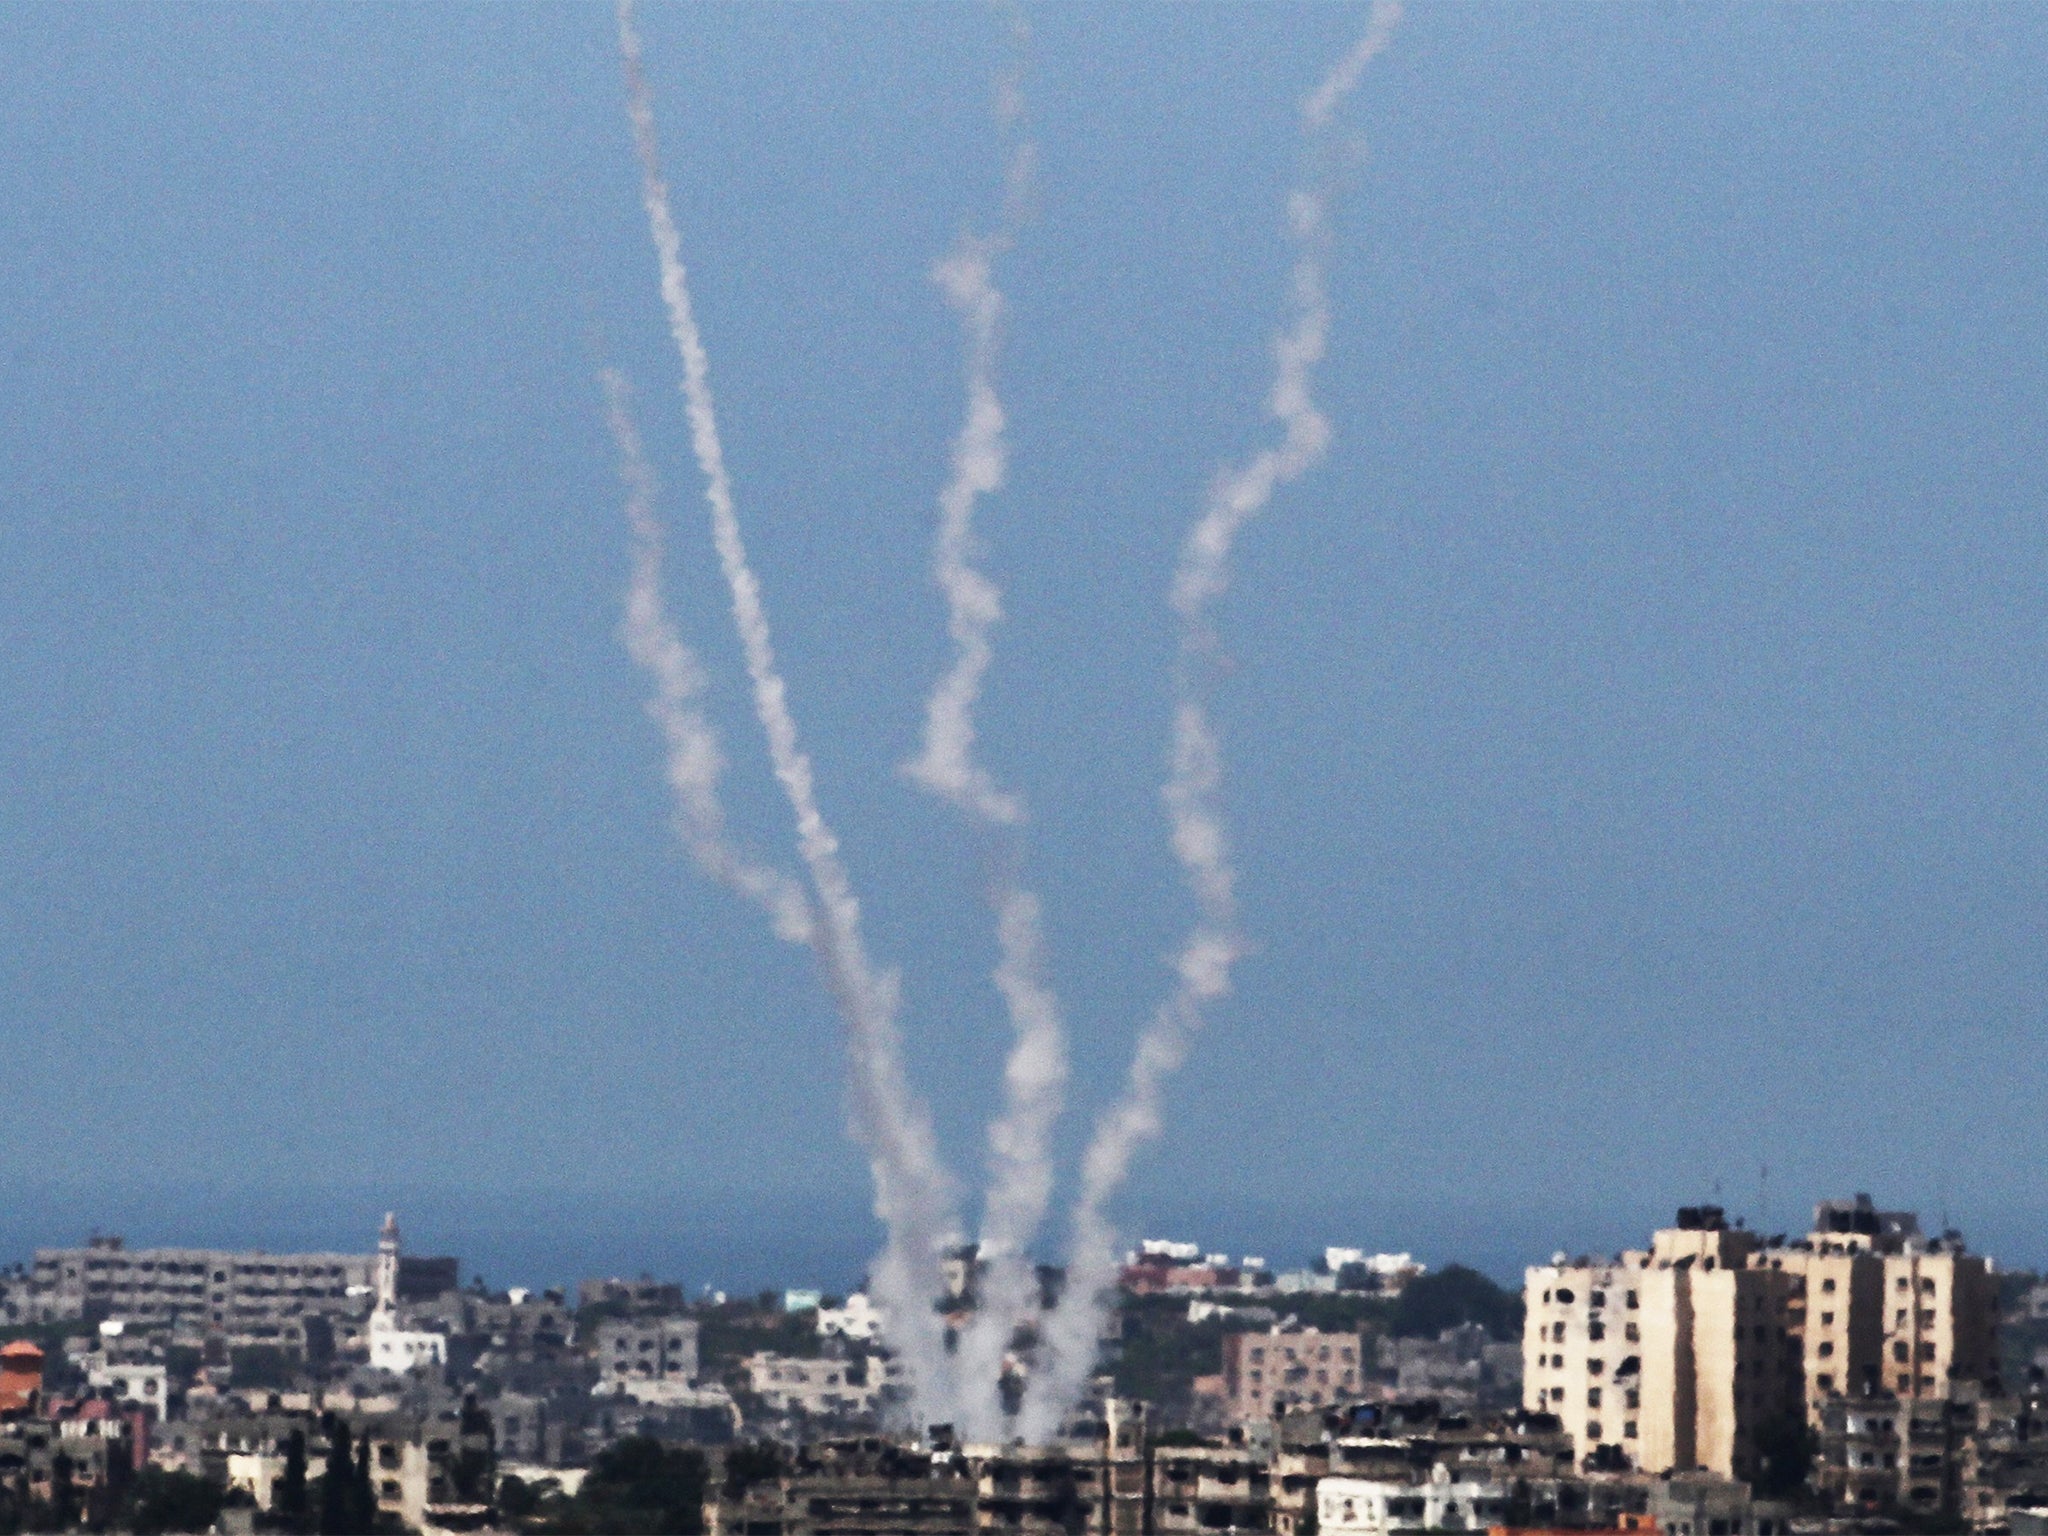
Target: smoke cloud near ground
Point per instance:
(913, 1191)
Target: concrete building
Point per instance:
(634, 1350)
(1669, 1360)
(869, 1487)
(1841, 1311)
(1888, 1310)
(1281, 1368)
(1724, 1335)
(1202, 1489)
(823, 1388)
(1940, 1320)
(1350, 1506)
(250, 1298)
(642, 1295)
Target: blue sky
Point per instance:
(1636, 727)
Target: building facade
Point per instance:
(1673, 1359)
(1269, 1372)
(251, 1298)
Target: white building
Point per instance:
(393, 1347)
(825, 1388)
(859, 1319)
(1360, 1506)
(144, 1382)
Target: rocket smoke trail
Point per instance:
(1035, 1074)
(913, 1192)
(694, 760)
(1195, 775)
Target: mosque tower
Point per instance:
(387, 1265)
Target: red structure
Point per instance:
(21, 1377)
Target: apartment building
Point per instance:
(1888, 1310)
(252, 1298)
(1681, 1356)
(644, 1349)
(1940, 1320)
(1666, 1360)
(1266, 1373)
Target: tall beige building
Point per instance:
(1684, 1355)
(1889, 1310)
(1940, 1320)
(1673, 1359)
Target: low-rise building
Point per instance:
(1350, 1506)
(1197, 1489)
(646, 1349)
(822, 1388)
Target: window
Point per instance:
(1557, 1333)
(1899, 1350)
(1595, 1367)
(1904, 1284)
(1596, 1330)
(1631, 1332)
(1827, 1347)
(1825, 1382)
(1592, 1429)
(1632, 1399)
(1597, 1299)
(1593, 1397)
(1568, 1298)
(1827, 1319)
(1629, 1300)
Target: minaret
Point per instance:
(387, 1266)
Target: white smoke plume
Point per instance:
(913, 1192)
(1195, 776)
(695, 762)
(974, 607)
(1035, 1074)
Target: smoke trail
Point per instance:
(913, 1192)
(1195, 776)
(974, 606)
(1035, 1074)
(694, 760)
